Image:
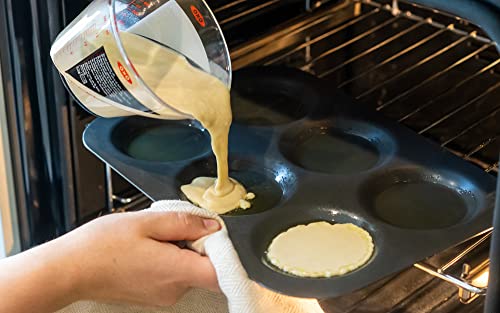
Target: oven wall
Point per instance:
(34, 104)
(58, 183)
(53, 176)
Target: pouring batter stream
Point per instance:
(206, 99)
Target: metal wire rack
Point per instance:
(387, 57)
(246, 10)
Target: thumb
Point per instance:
(174, 226)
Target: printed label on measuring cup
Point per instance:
(96, 73)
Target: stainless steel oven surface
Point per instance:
(431, 66)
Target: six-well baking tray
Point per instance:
(310, 153)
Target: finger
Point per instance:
(198, 271)
(170, 226)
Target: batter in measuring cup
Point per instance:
(205, 98)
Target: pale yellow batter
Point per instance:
(205, 98)
(199, 195)
(321, 249)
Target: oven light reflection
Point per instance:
(282, 173)
(309, 305)
(481, 280)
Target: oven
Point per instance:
(432, 66)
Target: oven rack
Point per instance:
(300, 40)
(241, 55)
(486, 43)
(116, 203)
(244, 8)
(251, 54)
(472, 282)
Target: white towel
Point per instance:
(241, 295)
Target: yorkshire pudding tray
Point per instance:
(309, 154)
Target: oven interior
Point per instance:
(435, 73)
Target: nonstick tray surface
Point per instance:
(310, 153)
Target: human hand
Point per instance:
(128, 257)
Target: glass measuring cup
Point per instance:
(105, 55)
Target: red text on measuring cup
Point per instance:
(124, 73)
(197, 15)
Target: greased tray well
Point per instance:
(310, 153)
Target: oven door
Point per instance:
(9, 236)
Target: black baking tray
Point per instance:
(310, 153)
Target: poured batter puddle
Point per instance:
(326, 249)
(255, 177)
